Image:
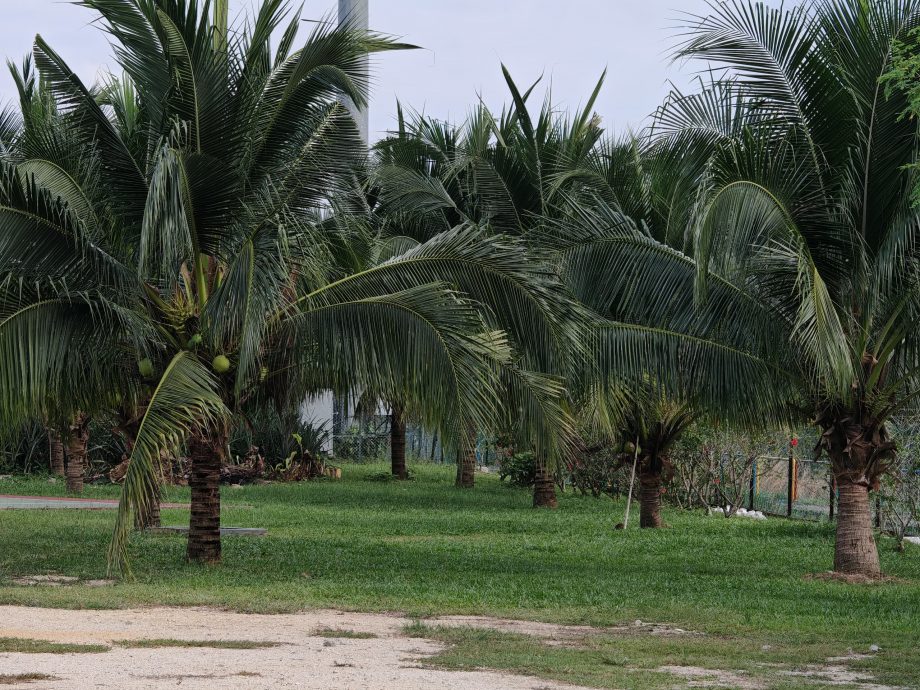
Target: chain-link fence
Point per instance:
(780, 485)
(366, 439)
(792, 487)
(805, 489)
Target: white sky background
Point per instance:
(464, 43)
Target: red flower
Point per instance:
(794, 442)
(715, 481)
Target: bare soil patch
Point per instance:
(836, 674)
(377, 654)
(22, 678)
(854, 578)
(556, 633)
(53, 580)
(203, 648)
(697, 677)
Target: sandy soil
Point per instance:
(553, 632)
(388, 661)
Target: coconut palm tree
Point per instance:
(655, 426)
(804, 205)
(29, 137)
(541, 321)
(177, 251)
(628, 209)
(418, 194)
(504, 173)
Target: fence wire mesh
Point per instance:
(366, 439)
(793, 487)
(782, 485)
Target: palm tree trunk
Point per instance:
(466, 469)
(150, 517)
(649, 498)
(77, 441)
(56, 451)
(128, 426)
(466, 460)
(858, 446)
(544, 488)
(398, 442)
(854, 549)
(206, 453)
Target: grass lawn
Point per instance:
(426, 548)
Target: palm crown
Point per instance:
(804, 204)
(180, 214)
(211, 216)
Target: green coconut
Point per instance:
(194, 341)
(221, 364)
(145, 366)
(629, 447)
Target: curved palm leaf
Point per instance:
(185, 398)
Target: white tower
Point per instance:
(357, 14)
(326, 408)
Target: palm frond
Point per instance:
(425, 344)
(517, 286)
(185, 398)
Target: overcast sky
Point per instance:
(464, 43)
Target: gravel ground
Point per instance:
(302, 658)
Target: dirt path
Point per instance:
(303, 658)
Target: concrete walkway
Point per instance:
(51, 502)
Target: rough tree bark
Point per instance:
(129, 423)
(77, 441)
(398, 442)
(861, 451)
(544, 488)
(151, 517)
(143, 519)
(56, 453)
(854, 548)
(466, 460)
(649, 495)
(206, 454)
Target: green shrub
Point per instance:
(519, 468)
(599, 474)
(278, 435)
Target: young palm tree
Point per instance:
(179, 254)
(628, 212)
(521, 296)
(29, 138)
(504, 173)
(805, 205)
(655, 426)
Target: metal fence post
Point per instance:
(878, 512)
(833, 492)
(789, 487)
